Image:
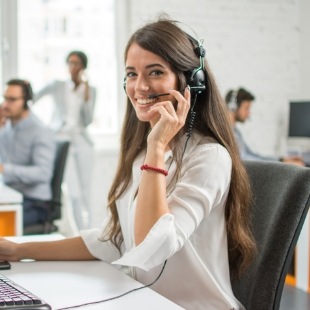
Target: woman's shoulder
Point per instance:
(207, 157)
(207, 142)
(54, 84)
(207, 149)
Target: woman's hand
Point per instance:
(295, 160)
(170, 119)
(83, 78)
(8, 250)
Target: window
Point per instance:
(1, 50)
(49, 29)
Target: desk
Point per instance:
(63, 284)
(11, 215)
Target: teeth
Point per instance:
(145, 101)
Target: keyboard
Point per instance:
(13, 296)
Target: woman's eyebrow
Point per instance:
(154, 65)
(147, 67)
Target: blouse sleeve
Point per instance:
(87, 111)
(103, 250)
(46, 90)
(203, 186)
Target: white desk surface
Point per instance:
(9, 195)
(64, 284)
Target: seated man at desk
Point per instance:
(27, 151)
(239, 102)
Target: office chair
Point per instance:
(281, 202)
(54, 205)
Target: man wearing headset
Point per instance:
(27, 151)
(239, 104)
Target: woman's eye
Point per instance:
(130, 74)
(156, 72)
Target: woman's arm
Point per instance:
(87, 111)
(67, 249)
(151, 199)
(46, 90)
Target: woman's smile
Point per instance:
(146, 101)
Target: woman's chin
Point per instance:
(146, 118)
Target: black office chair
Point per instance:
(281, 203)
(54, 205)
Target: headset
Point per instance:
(28, 93)
(196, 78)
(124, 84)
(232, 104)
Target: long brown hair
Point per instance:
(165, 39)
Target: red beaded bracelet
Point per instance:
(147, 167)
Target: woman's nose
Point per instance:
(141, 85)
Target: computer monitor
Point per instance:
(299, 120)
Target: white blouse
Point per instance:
(74, 99)
(192, 238)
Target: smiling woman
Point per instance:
(179, 202)
(194, 201)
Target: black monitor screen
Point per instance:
(299, 122)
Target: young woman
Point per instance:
(74, 103)
(179, 201)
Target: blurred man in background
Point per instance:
(239, 102)
(27, 151)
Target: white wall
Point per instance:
(255, 44)
(305, 48)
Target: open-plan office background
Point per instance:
(261, 45)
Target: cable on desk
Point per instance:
(118, 296)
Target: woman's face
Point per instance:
(75, 65)
(146, 74)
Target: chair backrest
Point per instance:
(54, 211)
(59, 169)
(281, 202)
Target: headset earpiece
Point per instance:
(232, 104)
(196, 78)
(28, 94)
(124, 84)
(197, 81)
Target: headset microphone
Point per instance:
(153, 96)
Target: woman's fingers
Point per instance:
(170, 117)
(183, 104)
(179, 112)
